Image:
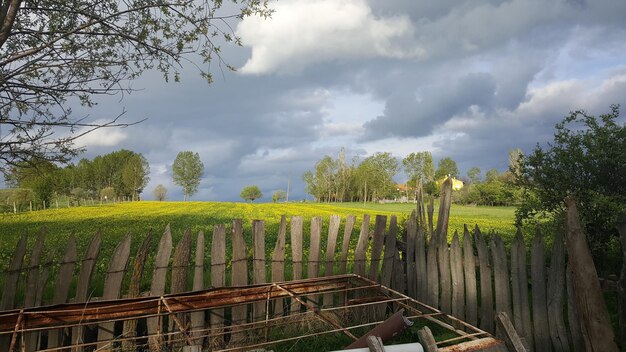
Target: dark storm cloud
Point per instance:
(475, 77)
(410, 114)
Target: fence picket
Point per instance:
(180, 266)
(278, 263)
(556, 287)
(157, 287)
(197, 318)
(432, 273)
(239, 278)
(501, 277)
(32, 281)
(347, 234)
(469, 271)
(218, 279)
(331, 244)
(420, 264)
(296, 255)
(361, 247)
(519, 293)
(377, 247)
(572, 316)
(445, 280)
(112, 285)
(130, 326)
(540, 308)
(83, 282)
(390, 251)
(258, 265)
(458, 286)
(486, 294)
(62, 286)
(12, 275)
(411, 238)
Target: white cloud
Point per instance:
(304, 32)
(103, 137)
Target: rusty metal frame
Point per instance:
(360, 296)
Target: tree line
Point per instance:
(374, 179)
(120, 174)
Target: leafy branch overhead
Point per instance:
(55, 52)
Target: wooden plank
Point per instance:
(12, 275)
(511, 338)
(218, 279)
(445, 279)
(445, 202)
(556, 288)
(33, 270)
(42, 281)
(595, 324)
(197, 318)
(112, 286)
(313, 267)
(296, 255)
(431, 211)
(516, 285)
(347, 234)
(486, 294)
(331, 244)
(180, 268)
(361, 247)
(62, 286)
(278, 263)
(239, 278)
(458, 286)
(501, 277)
(411, 238)
(420, 264)
(157, 287)
(572, 316)
(377, 247)
(433, 273)
(134, 288)
(258, 265)
(390, 252)
(427, 339)
(83, 293)
(469, 271)
(540, 307)
(32, 289)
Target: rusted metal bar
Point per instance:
(178, 323)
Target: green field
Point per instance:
(115, 220)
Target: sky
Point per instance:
(468, 80)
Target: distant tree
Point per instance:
(107, 194)
(160, 192)
(587, 160)
(492, 175)
(446, 167)
(374, 176)
(187, 171)
(251, 193)
(279, 195)
(135, 175)
(474, 175)
(419, 167)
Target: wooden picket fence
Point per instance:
(471, 277)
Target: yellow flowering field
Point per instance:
(114, 221)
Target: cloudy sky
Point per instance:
(465, 79)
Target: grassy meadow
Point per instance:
(114, 221)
